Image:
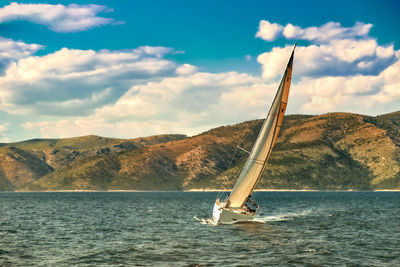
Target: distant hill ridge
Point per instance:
(334, 151)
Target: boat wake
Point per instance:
(210, 221)
(288, 216)
(205, 220)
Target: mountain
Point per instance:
(334, 151)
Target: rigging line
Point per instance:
(220, 194)
(244, 150)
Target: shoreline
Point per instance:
(208, 190)
(296, 190)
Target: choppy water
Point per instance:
(159, 229)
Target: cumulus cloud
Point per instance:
(185, 104)
(342, 69)
(11, 50)
(197, 95)
(71, 81)
(199, 101)
(193, 101)
(367, 94)
(72, 127)
(138, 92)
(327, 32)
(269, 31)
(186, 69)
(323, 34)
(338, 58)
(335, 51)
(58, 18)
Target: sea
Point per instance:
(173, 229)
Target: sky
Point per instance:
(131, 68)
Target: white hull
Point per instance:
(222, 215)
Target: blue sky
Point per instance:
(136, 68)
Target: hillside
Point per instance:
(331, 151)
(27, 161)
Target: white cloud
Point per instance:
(194, 96)
(269, 31)
(11, 50)
(343, 69)
(273, 63)
(186, 104)
(335, 50)
(337, 58)
(59, 18)
(186, 69)
(327, 32)
(72, 127)
(365, 94)
(323, 34)
(291, 32)
(138, 92)
(197, 102)
(70, 81)
(193, 101)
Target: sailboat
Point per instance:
(238, 206)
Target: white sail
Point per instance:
(262, 148)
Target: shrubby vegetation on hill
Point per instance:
(335, 151)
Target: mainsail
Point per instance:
(262, 148)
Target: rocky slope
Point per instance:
(331, 151)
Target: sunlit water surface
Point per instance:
(169, 229)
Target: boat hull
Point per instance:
(222, 215)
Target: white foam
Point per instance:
(287, 216)
(205, 220)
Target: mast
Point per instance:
(262, 148)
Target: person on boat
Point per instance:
(254, 203)
(248, 208)
(251, 201)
